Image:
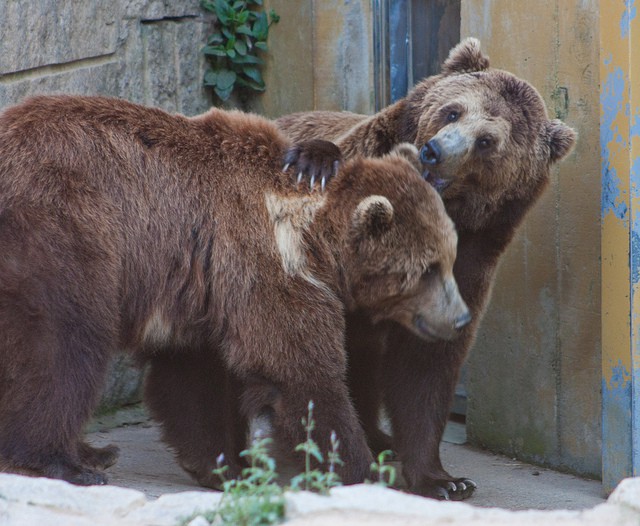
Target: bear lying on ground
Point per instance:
(487, 145)
(183, 241)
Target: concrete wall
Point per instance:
(147, 51)
(534, 375)
(320, 57)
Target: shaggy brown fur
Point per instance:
(184, 242)
(488, 144)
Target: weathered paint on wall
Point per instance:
(320, 57)
(534, 374)
(620, 208)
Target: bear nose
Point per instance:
(430, 153)
(462, 321)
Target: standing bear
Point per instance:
(183, 241)
(487, 145)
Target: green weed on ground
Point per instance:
(256, 499)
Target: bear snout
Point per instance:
(435, 330)
(462, 321)
(430, 153)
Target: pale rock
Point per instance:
(171, 509)
(199, 521)
(62, 496)
(627, 493)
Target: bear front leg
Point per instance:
(196, 401)
(288, 344)
(365, 346)
(420, 379)
(332, 412)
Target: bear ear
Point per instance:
(408, 151)
(561, 139)
(373, 216)
(466, 57)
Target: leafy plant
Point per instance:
(255, 498)
(315, 479)
(386, 473)
(241, 33)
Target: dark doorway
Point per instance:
(412, 38)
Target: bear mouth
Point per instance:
(439, 183)
(420, 323)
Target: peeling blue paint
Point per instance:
(634, 256)
(627, 16)
(619, 131)
(611, 101)
(635, 177)
(634, 131)
(620, 378)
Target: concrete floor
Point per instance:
(145, 464)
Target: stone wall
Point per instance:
(146, 51)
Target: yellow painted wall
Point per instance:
(534, 374)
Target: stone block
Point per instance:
(124, 384)
(100, 78)
(159, 9)
(36, 34)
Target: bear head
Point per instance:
(399, 245)
(484, 135)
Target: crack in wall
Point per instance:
(164, 19)
(56, 69)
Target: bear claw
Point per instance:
(316, 159)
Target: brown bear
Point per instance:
(183, 241)
(487, 144)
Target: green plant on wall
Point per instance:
(241, 33)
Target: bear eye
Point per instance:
(484, 143)
(453, 116)
(429, 271)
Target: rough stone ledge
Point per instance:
(25, 500)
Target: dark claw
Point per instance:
(316, 160)
(464, 490)
(442, 494)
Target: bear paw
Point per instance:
(98, 457)
(74, 474)
(457, 489)
(316, 160)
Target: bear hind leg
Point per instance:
(196, 401)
